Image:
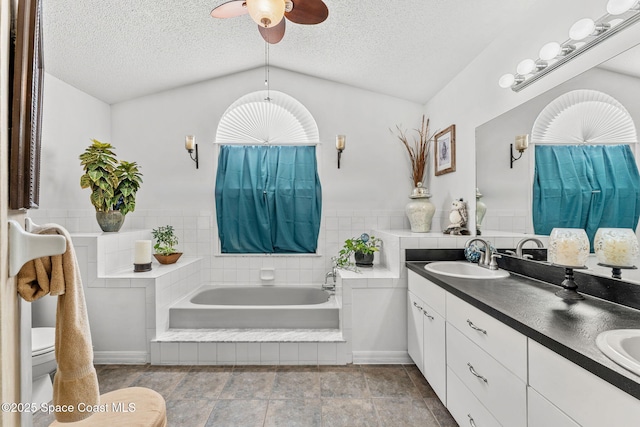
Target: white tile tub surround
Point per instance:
(122, 300)
(197, 234)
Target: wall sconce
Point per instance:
(583, 35)
(522, 142)
(190, 145)
(341, 141)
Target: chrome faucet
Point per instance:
(521, 244)
(333, 274)
(487, 258)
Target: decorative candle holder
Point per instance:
(616, 248)
(568, 248)
(139, 268)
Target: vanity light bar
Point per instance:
(605, 27)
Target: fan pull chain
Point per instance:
(266, 68)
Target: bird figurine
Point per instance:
(458, 218)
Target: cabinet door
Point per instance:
(586, 398)
(541, 413)
(435, 362)
(415, 330)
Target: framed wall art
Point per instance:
(445, 151)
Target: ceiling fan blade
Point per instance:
(230, 9)
(273, 34)
(308, 12)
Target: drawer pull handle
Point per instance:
(417, 306)
(427, 314)
(472, 423)
(474, 327)
(477, 375)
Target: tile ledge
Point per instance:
(158, 270)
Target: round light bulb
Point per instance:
(526, 66)
(506, 81)
(549, 51)
(266, 13)
(618, 7)
(582, 29)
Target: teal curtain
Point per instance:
(268, 199)
(586, 186)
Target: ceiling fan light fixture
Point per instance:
(266, 13)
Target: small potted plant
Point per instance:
(164, 247)
(113, 184)
(362, 248)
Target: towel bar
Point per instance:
(24, 246)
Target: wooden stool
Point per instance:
(131, 407)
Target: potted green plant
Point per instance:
(113, 184)
(362, 248)
(165, 245)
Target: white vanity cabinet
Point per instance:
(426, 331)
(490, 359)
(493, 375)
(585, 398)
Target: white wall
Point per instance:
(473, 97)
(70, 119)
(373, 173)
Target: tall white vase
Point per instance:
(420, 210)
(481, 210)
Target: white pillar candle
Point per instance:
(142, 253)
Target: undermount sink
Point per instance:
(622, 346)
(464, 270)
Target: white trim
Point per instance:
(120, 357)
(381, 357)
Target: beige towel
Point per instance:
(75, 381)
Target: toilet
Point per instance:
(43, 363)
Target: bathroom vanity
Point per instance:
(508, 352)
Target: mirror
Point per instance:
(506, 191)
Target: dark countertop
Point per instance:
(530, 307)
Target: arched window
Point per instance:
(268, 193)
(585, 174)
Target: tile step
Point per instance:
(251, 335)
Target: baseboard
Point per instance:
(381, 357)
(120, 357)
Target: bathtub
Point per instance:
(260, 307)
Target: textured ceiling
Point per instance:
(121, 49)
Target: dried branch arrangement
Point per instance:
(418, 150)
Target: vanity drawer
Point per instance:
(498, 389)
(465, 408)
(506, 345)
(428, 291)
(542, 413)
(588, 399)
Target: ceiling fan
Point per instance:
(270, 14)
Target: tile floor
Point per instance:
(284, 396)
